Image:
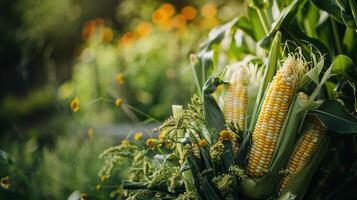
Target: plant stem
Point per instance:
(336, 36)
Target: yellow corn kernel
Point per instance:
(236, 98)
(304, 149)
(272, 115)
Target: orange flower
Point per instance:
(107, 34)
(179, 22)
(209, 10)
(189, 12)
(202, 143)
(150, 142)
(103, 178)
(88, 28)
(127, 38)
(118, 102)
(75, 105)
(143, 29)
(168, 8)
(160, 17)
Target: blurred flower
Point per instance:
(138, 136)
(202, 143)
(179, 22)
(90, 27)
(125, 142)
(209, 10)
(75, 105)
(107, 34)
(118, 102)
(5, 182)
(160, 17)
(150, 142)
(99, 22)
(168, 8)
(98, 187)
(189, 12)
(127, 38)
(143, 29)
(209, 23)
(90, 133)
(120, 78)
(84, 196)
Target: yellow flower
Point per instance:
(120, 78)
(98, 187)
(103, 178)
(138, 136)
(143, 29)
(209, 10)
(107, 34)
(189, 12)
(125, 142)
(5, 182)
(226, 135)
(118, 102)
(75, 105)
(84, 196)
(202, 143)
(150, 142)
(90, 133)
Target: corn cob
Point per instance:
(272, 115)
(304, 149)
(236, 98)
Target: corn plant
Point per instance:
(276, 94)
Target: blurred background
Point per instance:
(52, 52)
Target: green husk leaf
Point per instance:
(269, 72)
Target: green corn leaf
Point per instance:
(336, 11)
(5, 158)
(208, 190)
(343, 65)
(213, 114)
(242, 155)
(195, 175)
(336, 118)
(285, 17)
(228, 156)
